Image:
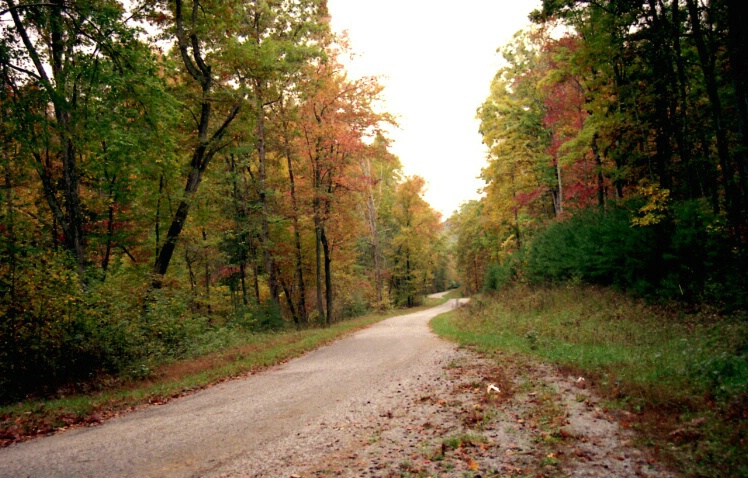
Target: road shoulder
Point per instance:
(491, 417)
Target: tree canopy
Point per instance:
(626, 119)
(173, 169)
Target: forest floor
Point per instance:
(497, 416)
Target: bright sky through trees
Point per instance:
(437, 59)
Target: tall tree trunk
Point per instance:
(157, 227)
(289, 296)
(255, 279)
(708, 68)
(109, 228)
(207, 275)
(517, 235)
(737, 14)
(299, 265)
(408, 281)
(376, 250)
(296, 228)
(69, 214)
(559, 191)
(599, 174)
(206, 145)
(371, 219)
(318, 228)
(243, 281)
(262, 192)
(661, 67)
(201, 157)
(192, 275)
(239, 223)
(11, 246)
(680, 84)
(318, 259)
(71, 187)
(327, 253)
(328, 276)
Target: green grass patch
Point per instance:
(454, 294)
(463, 440)
(684, 373)
(212, 360)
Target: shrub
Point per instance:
(688, 255)
(596, 247)
(500, 275)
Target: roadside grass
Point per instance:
(454, 294)
(683, 374)
(214, 360)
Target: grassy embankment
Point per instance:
(683, 375)
(243, 354)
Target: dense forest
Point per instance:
(180, 171)
(617, 143)
(172, 170)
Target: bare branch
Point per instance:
(56, 98)
(124, 249)
(218, 134)
(23, 70)
(198, 56)
(182, 42)
(18, 7)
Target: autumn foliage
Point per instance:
(616, 150)
(166, 188)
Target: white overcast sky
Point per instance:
(437, 59)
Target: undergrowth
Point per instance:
(684, 373)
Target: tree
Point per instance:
(519, 176)
(335, 115)
(65, 55)
(413, 254)
(213, 179)
(278, 40)
(190, 30)
(658, 71)
(381, 170)
(475, 244)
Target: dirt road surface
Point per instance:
(392, 400)
(249, 425)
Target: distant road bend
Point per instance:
(285, 417)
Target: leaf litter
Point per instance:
(483, 417)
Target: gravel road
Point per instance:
(390, 401)
(287, 418)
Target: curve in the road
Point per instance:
(246, 425)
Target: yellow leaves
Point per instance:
(509, 242)
(656, 209)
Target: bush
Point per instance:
(354, 305)
(687, 256)
(57, 334)
(355, 297)
(267, 318)
(500, 275)
(703, 265)
(45, 335)
(598, 248)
